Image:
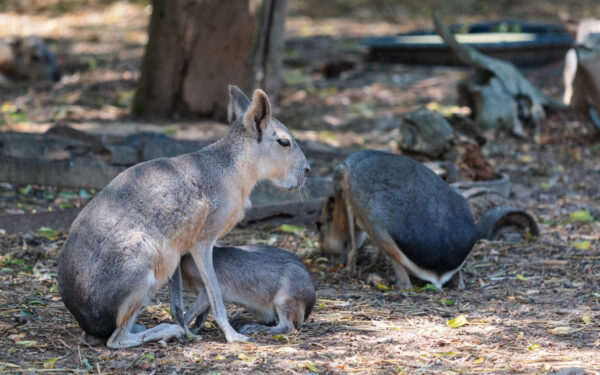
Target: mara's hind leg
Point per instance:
(91, 340)
(457, 281)
(393, 253)
(288, 312)
(123, 337)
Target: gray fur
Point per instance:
(268, 281)
(407, 211)
(127, 242)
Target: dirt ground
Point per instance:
(530, 307)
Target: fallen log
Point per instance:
(270, 206)
(69, 174)
(63, 144)
(20, 223)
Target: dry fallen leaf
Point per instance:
(282, 337)
(561, 330)
(459, 321)
(447, 302)
(527, 158)
(581, 216)
(312, 367)
(27, 343)
(583, 245)
(50, 363)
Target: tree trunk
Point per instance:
(198, 47)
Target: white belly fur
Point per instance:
(427, 275)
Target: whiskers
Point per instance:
(303, 194)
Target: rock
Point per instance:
(424, 132)
(569, 371)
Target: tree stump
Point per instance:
(196, 48)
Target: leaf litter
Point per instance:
(532, 306)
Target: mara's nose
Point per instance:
(306, 170)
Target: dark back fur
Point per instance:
(426, 218)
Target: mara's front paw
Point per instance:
(252, 328)
(350, 269)
(403, 283)
(235, 337)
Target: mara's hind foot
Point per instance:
(137, 328)
(280, 329)
(91, 340)
(251, 328)
(234, 336)
(122, 338)
(285, 314)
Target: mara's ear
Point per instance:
(238, 104)
(258, 115)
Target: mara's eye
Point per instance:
(284, 142)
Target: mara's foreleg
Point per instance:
(176, 298)
(198, 312)
(203, 258)
(199, 322)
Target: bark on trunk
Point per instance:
(198, 47)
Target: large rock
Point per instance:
(424, 132)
